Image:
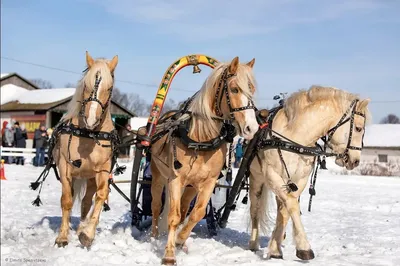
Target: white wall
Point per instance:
(371, 155)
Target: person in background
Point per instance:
(126, 135)
(41, 144)
(20, 137)
(238, 153)
(7, 139)
(3, 130)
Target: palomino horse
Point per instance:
(226, 95)
(84, 150)
(305, 117)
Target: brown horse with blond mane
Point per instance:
(226, 96)
(83, 148)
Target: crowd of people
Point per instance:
(15, 135)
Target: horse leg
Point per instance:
(157, 185)
(66, 203)
(254, 193)
(303, 248)
(174, 217)
(278, 235)
(87, 233)
(198, 212)
(86, 203)
(187, 197)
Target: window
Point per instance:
(382, 158)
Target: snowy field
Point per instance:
(354, 221)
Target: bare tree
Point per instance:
(134, 103)
(70, 85)
(390, 119)
(41, 83)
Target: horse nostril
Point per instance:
(356, 163)
(247, 129)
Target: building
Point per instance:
(30, 105)
(381, 144)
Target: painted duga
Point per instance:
(306, 117)
(225, 95)
(89, 110)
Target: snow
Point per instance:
(382, 135)
(46, 95)
(11, 93)
(2, 75)
(137, 122)
(354, 221)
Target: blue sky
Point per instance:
(352, 45)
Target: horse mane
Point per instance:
(202, 106)
(299, 101)
(87, 81)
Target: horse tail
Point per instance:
(79, 190)
(163, 220)
(266, 221)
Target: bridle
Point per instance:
(93, 98)
(223, 88)
(342, 121)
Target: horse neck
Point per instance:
(198, 130)
(310, 124)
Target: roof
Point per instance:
(8, 75)
(11, 92)
(16, 106)
(382, 135)
(14, 98)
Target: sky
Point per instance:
(352, 45)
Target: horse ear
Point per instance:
(89, 60)
(251, 63)
(234, 65)
(363, 104)
(113, 63)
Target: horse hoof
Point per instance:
(61, 244)
(168, 261)
(305, 254)
(85, 240)
(278, 257)
(183, 247)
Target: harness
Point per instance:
(267, 138)
(93, 98)
(178, 125)
(68, 128)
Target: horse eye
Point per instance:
(358, 129)
(235, 90)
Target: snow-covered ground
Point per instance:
(354, 221)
